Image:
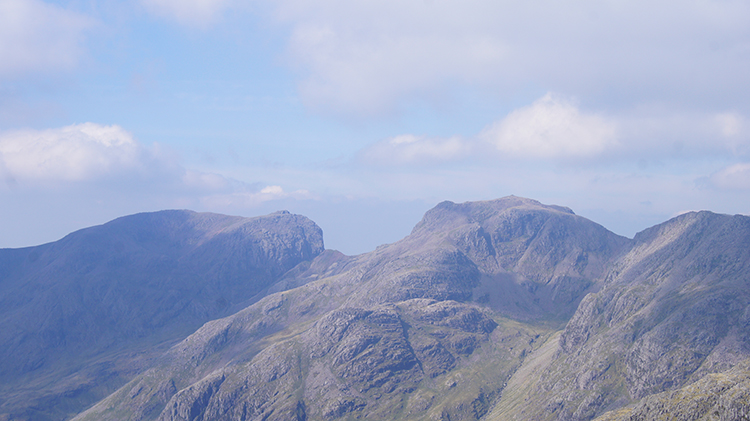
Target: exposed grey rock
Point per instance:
(372, 335)
(673, 309)
(722, 396)
(350, 361)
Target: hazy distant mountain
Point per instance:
(499, 310)
(82, 314)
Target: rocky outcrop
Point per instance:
(673, 309)
(378, 362)
(525, 259)
(721, 396)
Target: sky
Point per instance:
(363, 115)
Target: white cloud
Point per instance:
(360, 57)
(552, 127)
(39, 37)
(733, 128)
(199, 13)
(734, 177)
(730, 123)
(95, 160)
(272, 191)
(90, 153)
(367, 56)
(205, 181)
(658, 133)
(365, 72)
(410, 149)
(72, 153)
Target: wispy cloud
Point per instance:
(555, 128)
(733, 177)
(248, 199)
(196, 13)
(409, 149)
(38, 37)
(366, 57)
(98, 156)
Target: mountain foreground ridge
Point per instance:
(504, 309)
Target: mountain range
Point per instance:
(498, 310)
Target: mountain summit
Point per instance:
(86, 310)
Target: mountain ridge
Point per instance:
(502, 309)
(672, 310)
(426, 271)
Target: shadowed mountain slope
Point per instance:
(675, 308)
(412, 330)
(124, 287)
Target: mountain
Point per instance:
(498, 310)
(418, 329)
(535, 261)
(82, 315)
(673, 309)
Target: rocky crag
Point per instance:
(717, 396)
(673, 309)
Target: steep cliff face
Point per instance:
(351, 361)
(536, 261)
(674, 308)
(544, 243)
(126, 286)
(413, 329)
(718, 396)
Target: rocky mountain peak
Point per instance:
(448, 215)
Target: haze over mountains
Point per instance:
(505, 309)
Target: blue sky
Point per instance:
(363, 115)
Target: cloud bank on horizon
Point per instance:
(627, 112)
